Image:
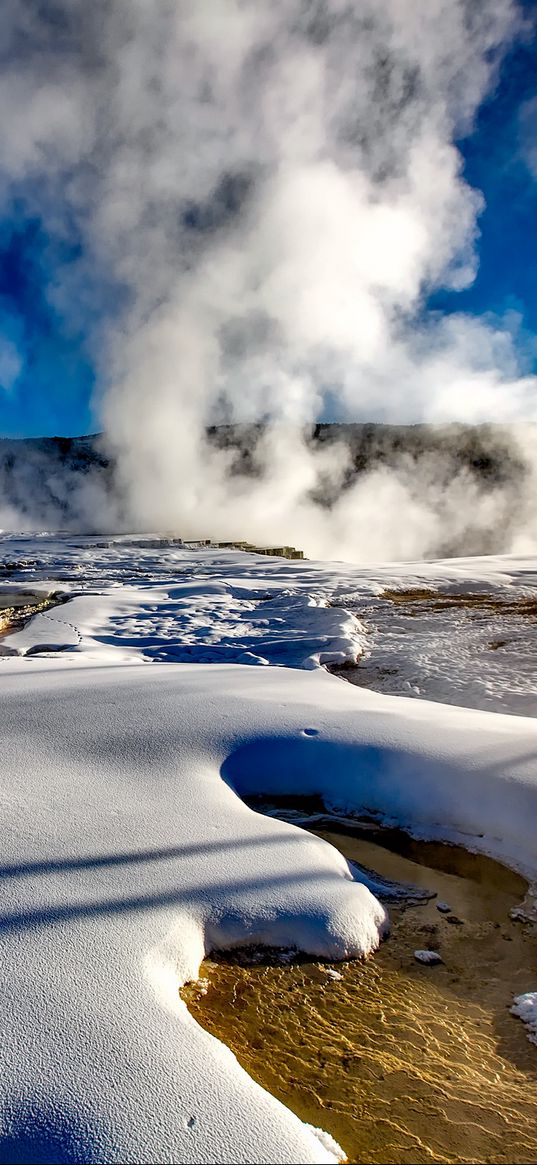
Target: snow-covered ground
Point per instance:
(147, 599)
(127, 853)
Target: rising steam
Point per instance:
(268, 189)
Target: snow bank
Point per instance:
(126, 858)
(448, 773)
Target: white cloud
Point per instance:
(528, 134)
(10, 364)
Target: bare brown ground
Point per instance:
(400, 1062)
(433, 600)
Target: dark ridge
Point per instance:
(489, 451)
(45, 479)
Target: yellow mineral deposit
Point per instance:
(401, 1062)
(17, 607)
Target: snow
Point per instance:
(126, 858)
(153, 600)
(127, 853)
(525, 1007)
(428, 958)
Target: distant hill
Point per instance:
(40, 476)
(489, 451)
(43, 479)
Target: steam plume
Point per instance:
(270, 188)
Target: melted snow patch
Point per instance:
(525, 1007)
(429, 958)
(334, 1152)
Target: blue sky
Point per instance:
(494, 162)
(52, 391)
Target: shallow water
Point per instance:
(464, 648)
(17, 606)
(400, 1062)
